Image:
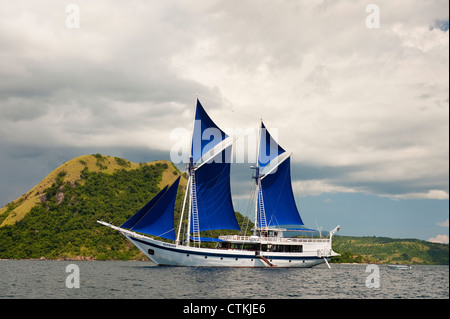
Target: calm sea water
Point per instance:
(117, 279)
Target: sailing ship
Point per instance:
(210, 207)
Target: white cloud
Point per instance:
(370, 103)
(441, 239)
(318, 187)
(431, 194)
(443, 224)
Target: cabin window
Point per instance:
(283, 248)
(151, 252)
(251, 247)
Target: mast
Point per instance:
(259, 203)
(190, 171)
(257, 181)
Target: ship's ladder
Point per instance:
(194, 212)
(262, 212)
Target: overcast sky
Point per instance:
(365, 110)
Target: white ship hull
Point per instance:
(166, 254)
(314, 252)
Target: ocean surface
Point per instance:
(35, 279)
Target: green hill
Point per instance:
(57, 218)
(385, 250)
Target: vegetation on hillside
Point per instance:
(62, 223)
(385, 250)
(16, 210)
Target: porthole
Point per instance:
(151, 252)
(206, 257)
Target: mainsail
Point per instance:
(211, 206)
(276, 204)
(214, 203)
(157, 216)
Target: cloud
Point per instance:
(432, 194)
(318, 187)
(443, 224)
(441, 239)
(107, 82)
(342, 96)
(363, 110)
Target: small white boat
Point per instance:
(404, 267)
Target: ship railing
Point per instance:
(273, 239)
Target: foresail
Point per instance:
(159, 219)
(213, 193)
(206, 134)
(144, 210)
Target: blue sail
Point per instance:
(268, 148)
(213, 193)
(206, 134)
(144, 210)
(159, 219)
(278, 198)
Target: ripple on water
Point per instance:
(46, 279)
